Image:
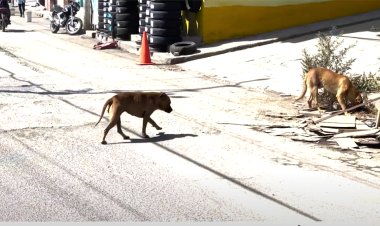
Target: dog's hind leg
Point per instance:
(107, 129)
(153, 123)
(120, 131)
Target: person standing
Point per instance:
(5, 6)
(21, 7)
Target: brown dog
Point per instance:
(339, 85)
(139, 104)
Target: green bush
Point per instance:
(329, 54)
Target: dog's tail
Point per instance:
(108, 103)
(304, 89)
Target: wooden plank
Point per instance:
(340, 121)
(364, 133)
(310, 113)
(362, 126)
(330, 130)
(370, 142)
(346, 142)
(306, 139)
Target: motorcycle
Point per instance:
(65, 17)
(3, 18)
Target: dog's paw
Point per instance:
(145, 136)
(158, 128)
(126, 137)
(104, 142)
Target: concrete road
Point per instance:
(207, 164)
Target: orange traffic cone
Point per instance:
(144, 51)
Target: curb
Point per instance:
(258, 40)
(255, 40)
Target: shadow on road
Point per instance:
(160, 137)
(18, 30)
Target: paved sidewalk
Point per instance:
(242, 43)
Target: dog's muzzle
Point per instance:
(168, 110)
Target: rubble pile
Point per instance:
(340, 131)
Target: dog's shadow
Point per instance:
(160, 137)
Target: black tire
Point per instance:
(101, 25)
(166, 23)
(112, 2)
(167, 6)
(141, 29)
(142, 14)
(127, 16)
(164, 40)
(147, 28)
(164, 32)
(125, 31)
(74, 28)
(147, 20)
(109, 14)
(142, 8)
(112, 8)
(193, 5)
(120, 9)
(126, 24)
(54, 28)
(142, 22)
(142, 1)
(100, 11)
(111, 21)
(183, 48)
(158, 48)
(175, 14)
(126, 3)
(103, 4)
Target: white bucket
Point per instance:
(28, 16)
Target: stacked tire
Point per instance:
(142, 5)
(102, 13)
(127, 18)
(164, 27)
(109, 18)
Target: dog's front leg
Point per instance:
(342, 102)
(145, 122)
(153, 123)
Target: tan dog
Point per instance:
(339, 85)
(139, 104)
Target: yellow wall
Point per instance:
(224, 19)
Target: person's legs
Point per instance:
(9, 16)
(23, 9)
(20, 9)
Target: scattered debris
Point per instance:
(340, 131)
(106, 45)
(346, 142)
(283, 115)
(339, 121)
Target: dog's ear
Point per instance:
(162, 94)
